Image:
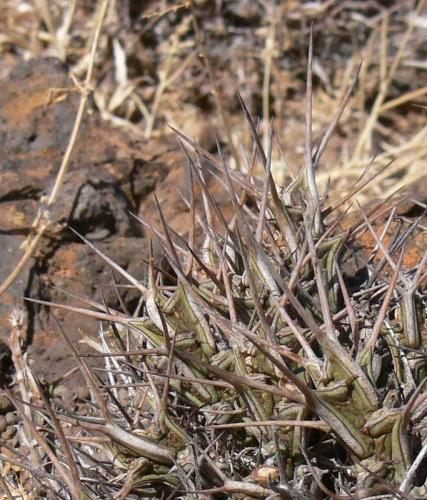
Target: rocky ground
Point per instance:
(111, 177)
(115, 170)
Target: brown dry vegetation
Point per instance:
(162, 64)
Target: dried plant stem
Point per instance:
(403, 99)
(280, 423)
(166, 78)
(42, 221)
(313, 195)
(84, 91)
(24, 259)
(365, 136)
(407, 483)
(44, 445)
(215, 92)
(23, 376)
(5, 488)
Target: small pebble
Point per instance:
(3, 423)
(8, 433)
(14, 443)
(5, 405)
(12, 418)
(62, 392)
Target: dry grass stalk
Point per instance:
(42, 220)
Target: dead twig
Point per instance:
(42, 220)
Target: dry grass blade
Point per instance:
(70, 456)
(42, 442)
(215, 90)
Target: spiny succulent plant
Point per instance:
(252, 367)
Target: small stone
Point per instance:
(3, 423)
(265, 474)
(8, 433)
(12, 418)
(5, 405)
(61, 392)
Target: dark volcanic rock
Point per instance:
(76, 272)
(38, 104)
(94, 205)
(108, 177)
(10, 245)
(35, 124)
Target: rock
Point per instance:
(8, 433)
(3, 424)
(409, 207)
(12, 418)
(94, 205)
(5, 405)
(17, 215)
(78, 271)
(38, 104)
(244, 12)
(174, 209)
(34, 128)
(109, 176)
